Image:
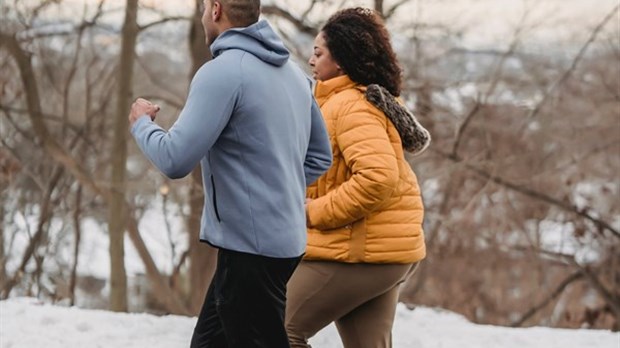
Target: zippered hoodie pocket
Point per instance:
(214, 196)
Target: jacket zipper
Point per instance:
(217, 214)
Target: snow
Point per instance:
(27, 322)
(94, 257)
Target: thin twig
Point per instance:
(300, 24)
(394, 8)
(162, 21)
(552, 296)
(601, 224)
(574, 63)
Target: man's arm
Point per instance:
(319, 155)
(209, 105)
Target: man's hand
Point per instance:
(142, 107)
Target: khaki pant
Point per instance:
(360, 298)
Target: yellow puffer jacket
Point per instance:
(367, 207)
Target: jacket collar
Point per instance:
(325, 89)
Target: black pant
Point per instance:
(245, 303)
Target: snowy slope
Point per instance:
(27, 323)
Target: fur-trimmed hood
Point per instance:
(414, 137)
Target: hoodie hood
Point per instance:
(414, 137)
(258, 39)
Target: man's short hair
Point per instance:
(241, 13)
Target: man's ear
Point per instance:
(216, 11)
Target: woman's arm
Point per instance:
(363, 140)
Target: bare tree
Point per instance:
(32, 99)
(76, 248)
(504, 174)
(117, 219)
(520, 183)
(202, 258)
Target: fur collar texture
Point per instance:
(414, 137)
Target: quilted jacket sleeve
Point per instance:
(363, 141)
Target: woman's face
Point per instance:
(324, 67)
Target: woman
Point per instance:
(364, 215)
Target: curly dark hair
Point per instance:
(359, 42)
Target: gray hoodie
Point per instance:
(251, 121)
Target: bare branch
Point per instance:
(40, 32)
(36, 239)
(282, 13)
(460, 131)
(58, 154)
(168, 226)
(177, 268)
(178, 100)
(9, 117)
(78, 130)
(390, 12)
(309, 9)
(67, 85)
(142, 28)
(40, 8)
(497, 74)
(550, 297)
(609, 297)
(573, 65)
(169, 299)
(34, 111)
(379, 7)
(601, 224)
(77, 229)
(24, 168)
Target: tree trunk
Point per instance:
(161, 288)
(202, 257)
(70, 164)
(117, 219)
(76, 246)
(379, 7)
(2, 253)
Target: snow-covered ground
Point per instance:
(28, 323)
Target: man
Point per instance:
(251, 121)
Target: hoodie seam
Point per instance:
(246, 183)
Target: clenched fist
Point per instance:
(142, 107)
